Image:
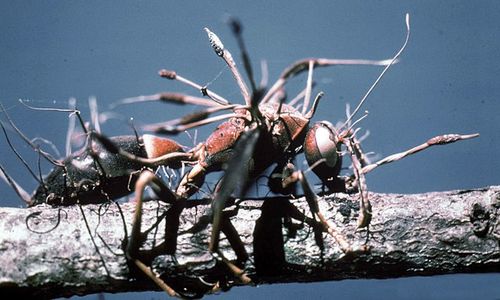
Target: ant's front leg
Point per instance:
(357, 157)
(236, 174)
(322, 148)
(229, 230)
(148, 178)
(312, 201)
(189, 185)
(237, 245)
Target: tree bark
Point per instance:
(48, 252)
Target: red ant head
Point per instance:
(321, 148)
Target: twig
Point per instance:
(422, 234)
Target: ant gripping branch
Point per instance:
(104, 169)
(266, 131)
(263, 132)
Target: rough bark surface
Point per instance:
(421, 234)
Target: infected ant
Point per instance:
(93, 174)
(265, 132)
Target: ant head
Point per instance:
(321, 147)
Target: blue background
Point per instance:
(446, 82)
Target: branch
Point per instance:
(422, 234)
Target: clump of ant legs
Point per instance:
(263, 132)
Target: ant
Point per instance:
(103, 170)
(93, 174)
(264, 132)
(267, 131)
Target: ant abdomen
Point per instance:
(92, 175)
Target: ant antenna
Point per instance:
(375, 83)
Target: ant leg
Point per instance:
(236, 175)
(220, 221)
(356, 145)
(232, 235)
(235, 241)
(365, 208)
(147, 178)
(351, 183)
(17, 188)
(283, 170)
(18, 155)
(312, 201)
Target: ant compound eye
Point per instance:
(320, 144)
(321, 152)
(327, 147)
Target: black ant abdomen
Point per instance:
(92, 175)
